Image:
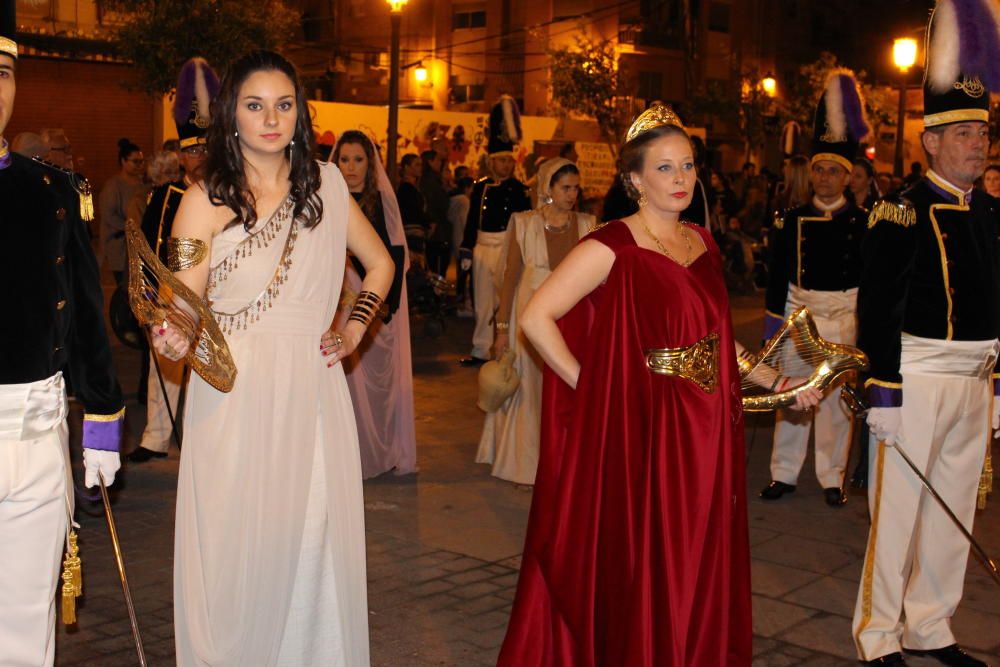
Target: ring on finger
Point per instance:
(338, 339)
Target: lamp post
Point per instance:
(395, 16)
(769, 85)
(904, 54)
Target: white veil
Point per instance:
(545, 172)
(390, 207)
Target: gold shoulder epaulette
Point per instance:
(79, 183)
(902, 213)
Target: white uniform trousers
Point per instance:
(33, 517)
(485, 268)
(835, 314)
(915, 562)
(156, 436)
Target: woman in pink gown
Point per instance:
(380, 371)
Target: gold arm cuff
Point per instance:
(105, 418)
(698, 363)
(366, 307)
(185, 253)
(901, 214)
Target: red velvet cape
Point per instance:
(637, 551)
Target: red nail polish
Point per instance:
(163, 331)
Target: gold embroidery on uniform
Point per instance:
(105, 418)
(972, 87)
(944, 258)
(868, 574)
(185, 253)
(956, 116)
(986, 478)
(798, 242)
(901, 214)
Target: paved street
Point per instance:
(443, 546)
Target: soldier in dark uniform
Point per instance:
(197, 86)
(815, 261)
(494, 198)
(53, 324)
(929, 321)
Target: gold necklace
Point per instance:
(557, 229)
(663, 249)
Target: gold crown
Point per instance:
(654, 116)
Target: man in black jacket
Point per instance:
(53, 324)
(191, 115)
(929, 316)
(494, 198)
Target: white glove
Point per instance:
(884, 423)
(996, 416)
(99, 460)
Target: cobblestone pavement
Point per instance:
(443, 546)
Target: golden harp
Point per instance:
(155, 296)
(795, 351)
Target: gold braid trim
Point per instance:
(185, 253)
(985, 481)
(986, 478)
(901, 214)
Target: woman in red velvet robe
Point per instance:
(637, 552)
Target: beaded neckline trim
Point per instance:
(250, 313)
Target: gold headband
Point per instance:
(654, 116)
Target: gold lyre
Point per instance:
(796, 351)
(156, 296)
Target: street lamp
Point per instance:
(395, 16)
(904, 54)
(769, 85)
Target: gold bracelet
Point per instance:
(366, 307)
(503, 326)
(185, 253)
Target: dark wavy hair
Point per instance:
(126, 148)
(633, 154)
(370, 196)
(225, 168)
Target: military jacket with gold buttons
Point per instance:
(815, 250)
(53, 305)
(158, 220)
(930, 270)
(491, 205)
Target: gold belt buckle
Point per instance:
(698, 363)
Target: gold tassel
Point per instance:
(86, 201)
(68, 596)
(901, 213)
(985, 481)
(74, 563)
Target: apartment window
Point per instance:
(472, 92)
(650, 86)
(475, 19)
(718, 17)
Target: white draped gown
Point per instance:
(269, 555)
